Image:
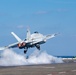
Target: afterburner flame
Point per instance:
(21, 45)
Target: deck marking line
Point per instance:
(73, 70)
(48, 67)
(49, 74)
(62, 72)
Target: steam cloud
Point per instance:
(10, 58)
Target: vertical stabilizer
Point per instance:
(28, 36)
(18, 39)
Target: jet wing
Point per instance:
(9, 46)
(13, 45)
(50, 36)
(2, 48)
(43, 39)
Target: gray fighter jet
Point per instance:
(32, 40)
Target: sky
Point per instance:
(44, 16)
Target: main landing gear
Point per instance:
(25, 50)
(37, 46)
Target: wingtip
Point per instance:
(57, 34)
(12, 32)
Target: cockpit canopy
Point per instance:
(36, 32)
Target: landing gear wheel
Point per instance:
(25, 51)
(37, 46)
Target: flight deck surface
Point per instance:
(46, 69)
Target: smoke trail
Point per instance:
(10, 58)
(43, 58)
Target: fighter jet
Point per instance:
(32, 40)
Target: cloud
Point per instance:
(51, 11)
(61, 10)
(20, 26)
